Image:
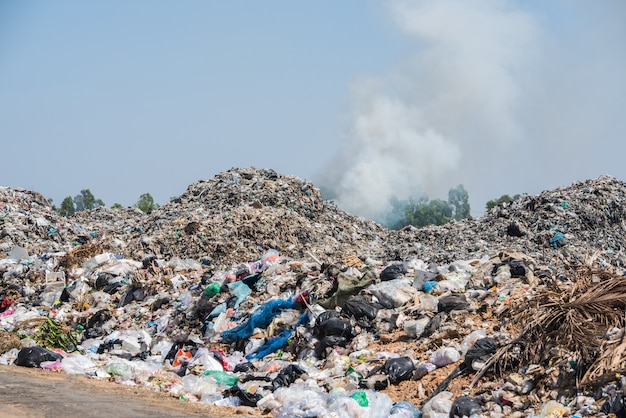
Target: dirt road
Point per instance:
(35, 393)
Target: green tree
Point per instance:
(434, 212)
(505, 198)
(146, 203)
(116, 206)
(86, 201)
(459, 199)
(67, 207)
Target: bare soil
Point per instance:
(36, 393)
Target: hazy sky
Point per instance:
(371, 98)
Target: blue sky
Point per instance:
(374, 98)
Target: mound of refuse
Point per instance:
(250, 291)
(241, 213)
(578, 220)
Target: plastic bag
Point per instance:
(480, 353)
(77, 364)
(394, 293)
(287, 376)
(453, 302)
(260, 318)
(359, 307)
(465, 406)
(404, 409)
(439, 406)
(399, 369)
(222, 378)
(615, 405)
(445, 356)
(34, 356)
(394, 271)
(471, 338)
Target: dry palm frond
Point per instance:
(573, 317)
(612, 360)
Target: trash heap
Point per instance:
(251, 292)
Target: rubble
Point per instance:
(250, 291)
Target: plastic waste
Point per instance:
(260, 318)
(399, 369)
(222, 378)
(271, 256)
(360, 397)
(272, 345)
(557, 240)
(445, 356)
(244, 397)
(479, 353)
(34, 356)
(615, 404)
(439, 406)
(453, 302)
(78, 364)
(18, 254)
(394, 271)
(119, 368)
(287, 376)
(415, 327)
(552, 409)
(51, 365)
(465, 406)
(393, 293)
(471, 338)
(359, 307)
(239, 290)
(404, 409)
(212, 290)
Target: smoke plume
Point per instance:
(483, 78)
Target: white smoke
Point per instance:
(422, 129)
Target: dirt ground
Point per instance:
(36, 393)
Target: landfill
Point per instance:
(250, 291)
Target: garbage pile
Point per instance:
(240, 213)
(249, 291)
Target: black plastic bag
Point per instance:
(615, 405)
(465, 406)
(323, 317)
(287, 376)
(252, 279)
(518, 269)
(247, 398)
(244, 367)
(394, 271)
(333, 341)
(359, 307)
(399, 369)
(479, 353)
(34, 356)
(453, 302)
(337, 327)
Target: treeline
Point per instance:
(85, 200)
(420, 212)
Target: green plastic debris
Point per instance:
(212, 290)
(118, 368)
(222, 378)
(360, 397)
(564, 205)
